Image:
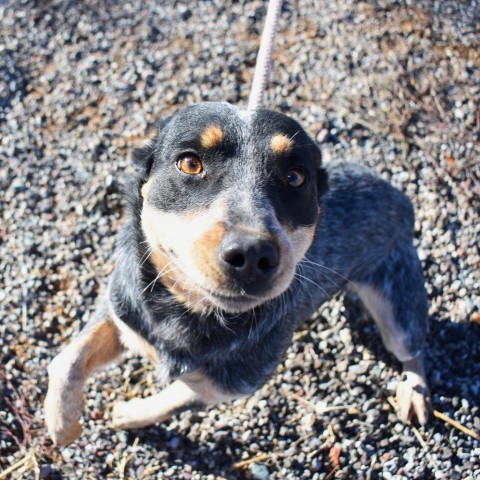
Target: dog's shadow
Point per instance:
(215, 453)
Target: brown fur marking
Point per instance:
(160, 261)
(205, 251)
(281, 144)
(211, 137)
(103, 345)
(177, 283)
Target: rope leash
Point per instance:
(264, 57)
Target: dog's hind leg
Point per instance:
(97, 344)
(395, 296)
(191, 391)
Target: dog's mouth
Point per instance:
(234, 303)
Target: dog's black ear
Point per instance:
(143, 157)
(322, 181)
(318, 155)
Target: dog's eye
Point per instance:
(190, 164)
(295, 177)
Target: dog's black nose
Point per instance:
(249, 259)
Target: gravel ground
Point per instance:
(392, 84)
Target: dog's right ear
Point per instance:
(143, 157)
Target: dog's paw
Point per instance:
(128, 414)
(413, 398)
(62, 421)
(64, 434)
(63, 404)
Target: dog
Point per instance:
(236, 235)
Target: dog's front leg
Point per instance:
(191, 391)
(96, 345)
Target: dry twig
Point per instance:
(125, 459)
(28, 462)
(456, 424)
(258, 458)
(332, 473)
(15, 466)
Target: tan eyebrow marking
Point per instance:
(211, 136)
(281, 144)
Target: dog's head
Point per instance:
(229, 204)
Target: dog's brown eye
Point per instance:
(295, 177)
(190, 164)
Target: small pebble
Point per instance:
(260, 471)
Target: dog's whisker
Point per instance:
(160, 274)
(284, 303)
(295, 290)
(323, 274)
(222, 320)
(302, 145)
(294, 135)
(253, 324)
(146, 255)
(152, 282)
(302, 277)
(164, 270)
(308, 260)
(191, 308)
(176, 283)
(319, 265)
